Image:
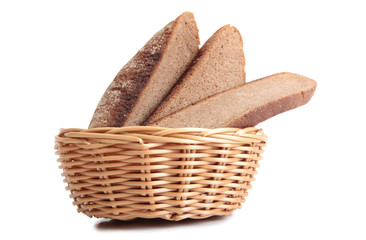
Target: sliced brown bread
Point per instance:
(246, 105)
(147, 78)
(218, 66)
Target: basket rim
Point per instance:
(138, 133)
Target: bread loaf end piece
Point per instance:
(218, 66)
(245, 105)
(147, 78)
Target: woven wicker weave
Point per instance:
(150, 172)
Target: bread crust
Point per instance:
(122, 95)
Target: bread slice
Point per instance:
(246, 105)
(218, 66)
(147, 78)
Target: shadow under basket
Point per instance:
(153, 172)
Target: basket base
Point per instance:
(162, 215)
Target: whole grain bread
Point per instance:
(147, 78)
(246, 105)
(218, 66)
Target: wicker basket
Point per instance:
(152, 172)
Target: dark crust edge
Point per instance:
(122, 113)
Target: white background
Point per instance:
(58, 57)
